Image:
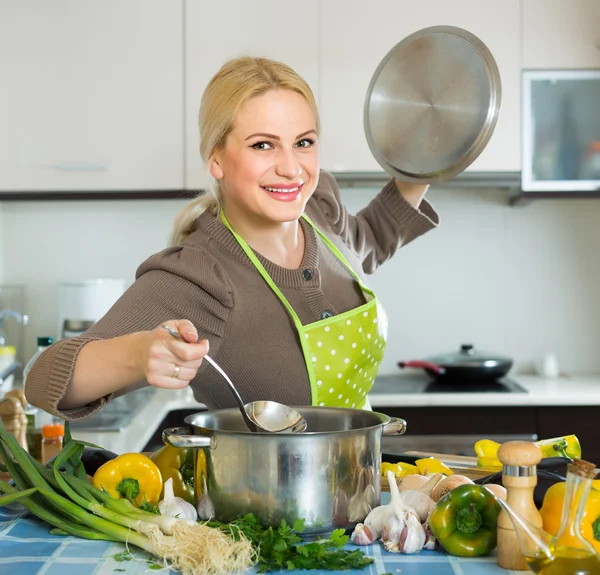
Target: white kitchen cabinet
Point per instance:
(218, 31)
(355, 37)
(92, 95)
(561, 34)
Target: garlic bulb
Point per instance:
(402, 532)
(176, 506)
(421, 504)
(377, 518)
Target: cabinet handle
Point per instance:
(80, 167)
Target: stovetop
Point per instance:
(389, 384)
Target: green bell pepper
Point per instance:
(464, 521)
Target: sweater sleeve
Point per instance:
(184, 282)
(377, 231)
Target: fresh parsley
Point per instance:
(283, 548)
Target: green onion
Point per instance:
(68, 502)
(66, 525)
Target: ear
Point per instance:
(215, 167)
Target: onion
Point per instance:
(448, 484)
(414, 482)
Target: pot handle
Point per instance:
(183, 437)
(439, 370)
(395, 426)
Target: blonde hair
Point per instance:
(236, 82)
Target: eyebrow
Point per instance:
(274, 137)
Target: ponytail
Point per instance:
(183, 225)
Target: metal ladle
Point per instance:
(259, 415)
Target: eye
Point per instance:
(261, 146)
(305, 143)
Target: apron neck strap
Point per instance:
(263, 272)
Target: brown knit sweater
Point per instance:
(210, 281)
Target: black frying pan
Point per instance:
(467, 364)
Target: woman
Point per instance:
(266, 270)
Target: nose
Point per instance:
(288, 165)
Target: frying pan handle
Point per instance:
(395, 426)
(438, 370)
(182, 437)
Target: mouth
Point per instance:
(284, 188)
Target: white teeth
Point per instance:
(281, 190)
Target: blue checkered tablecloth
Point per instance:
(27, 548)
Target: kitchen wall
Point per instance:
(518, 280)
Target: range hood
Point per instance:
(492, 180)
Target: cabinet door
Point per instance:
(355, 37)
(218, 31)
(561, 34)
(91, 95)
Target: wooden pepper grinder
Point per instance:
(519, 476)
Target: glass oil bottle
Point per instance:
(569, 553)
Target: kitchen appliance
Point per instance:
(560, 133)
(450, 441)
(432, 105)
(421, 383)
(468, 364)
(82, 303)
(328, 475)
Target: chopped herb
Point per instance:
(282, 548)
(122, 556)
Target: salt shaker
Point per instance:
(519, 476)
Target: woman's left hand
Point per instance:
(412, 193)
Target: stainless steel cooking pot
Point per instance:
(465, 365)
(432, 105)
(328, 475)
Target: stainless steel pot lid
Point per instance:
(432, 105)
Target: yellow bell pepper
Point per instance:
(432, 465)
(567, 446)
(178, 465)
(131, 476)
(551, 512)
(399, 469)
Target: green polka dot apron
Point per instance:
(342, 352)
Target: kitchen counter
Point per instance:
(538, 392)
(27, 548)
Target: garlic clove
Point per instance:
(363, 535)
(392, 533)
(413, 537)
(430, 540)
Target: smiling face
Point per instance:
(269, 166)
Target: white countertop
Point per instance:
(583, 390)
(538, 392)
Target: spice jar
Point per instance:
(52, 440)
